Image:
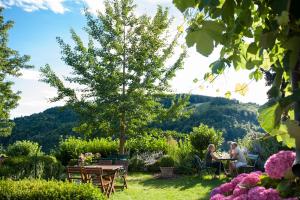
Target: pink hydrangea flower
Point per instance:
(239, 191)
(272, 194)
(241, 197)
(257, 193)
(226, 188)
(278, 164)
(215, 191)
(238, 179)
(250, 181)
(218, 197)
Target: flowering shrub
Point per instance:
(252, 186)
(278, 164)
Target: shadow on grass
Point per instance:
(183, 182)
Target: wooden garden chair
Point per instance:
(98, 178)
(123, 172)
(75, 174)
(104, 162)
(252, 162)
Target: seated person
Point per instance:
(211, 160)
(236, 153)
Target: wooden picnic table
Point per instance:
(110, 169)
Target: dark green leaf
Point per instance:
(256, 75)
(293, 45)
(270, 116)
(253, 48)
(182, 5)
(267, 40)
(228, 10)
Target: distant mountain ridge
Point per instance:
(235, 119)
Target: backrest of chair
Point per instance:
(71, 171)
(199, 162)
(124, 163)
(253, 158)
(104, 162)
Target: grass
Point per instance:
(147, 187)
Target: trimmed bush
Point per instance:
(167, 161)
(72, 147)
(147, 144)
(47, 190)
(23, 148)
(46, 167)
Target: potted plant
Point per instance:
(167, 166)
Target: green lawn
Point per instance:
(145, 186)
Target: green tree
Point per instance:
(122, 72)
(10, 64)
(202, 136)
(259, 36)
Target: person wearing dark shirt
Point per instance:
(211, 160)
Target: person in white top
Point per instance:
(236, 153)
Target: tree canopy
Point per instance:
(10, 65)
(122, 72)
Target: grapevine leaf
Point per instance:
(241, 89)
(293, 45)
(270, 116)
(228, 10)
(182, 5)
(256, 75)
(204, 42)
(267, 40)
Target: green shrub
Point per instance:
(167, 161)
(23, 148)
(19, 167)
(47, 190)
(136, 164)
(146, 143)
(72, 147)
(202, 136)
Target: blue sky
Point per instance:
(39, 22)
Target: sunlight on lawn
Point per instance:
(145, 186)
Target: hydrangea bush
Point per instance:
(250, 187)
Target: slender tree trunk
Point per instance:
(123, 111)
(295, 85)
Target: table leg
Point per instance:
(112, 185)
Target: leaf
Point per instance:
(214, 29)
(293, 129)
(256, 75)
(253, 48)
(267, 40)
(217, 67)
(241, 89)
(180, 29)
(228, 95)
(182, 5)
(293, 45)
(195, 80)
(270, 116)
(228, 10)
(204, 43)
(283, 19)
(209, 77)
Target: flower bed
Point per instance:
(276, 184)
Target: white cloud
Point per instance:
(32, 5)
(94, 6)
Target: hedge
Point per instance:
(46, 167)
(34, 189)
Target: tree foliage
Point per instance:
(122, 72)
(10, 65)
(260, 36)
(203, 135)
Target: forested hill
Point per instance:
(233, 118)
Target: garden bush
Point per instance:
(146, 143)
(23, 148)
(33, 189)
(166, 161)
(202, 136)
(72, 147)
(43, 166)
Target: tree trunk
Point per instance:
(295, 85)
(122, 134)
(123, 111)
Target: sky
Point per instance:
(39, 22)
